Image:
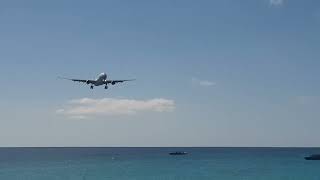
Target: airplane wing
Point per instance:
(117, 81)
(79, 80)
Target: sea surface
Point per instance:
(156, 164)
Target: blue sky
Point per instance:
(227, 73)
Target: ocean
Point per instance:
(156, 164)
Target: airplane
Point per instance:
(100, 80)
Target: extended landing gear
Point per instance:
(106, 87)
(91, 87)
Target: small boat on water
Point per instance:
(313, 157)
(178, 153)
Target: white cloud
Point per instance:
(87, 107)
(205, 83)
(276, 2)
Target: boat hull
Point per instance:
(313, 157)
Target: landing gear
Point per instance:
(91, 87)
(106, 87)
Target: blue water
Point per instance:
(156, 164)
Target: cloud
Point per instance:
(204, 83)
(276, 2)
(207, 83)
(87, 107)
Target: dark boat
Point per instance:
(178, 153)
(313, 157)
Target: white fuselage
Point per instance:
(101, 79)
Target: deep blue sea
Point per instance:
(155, 163)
